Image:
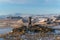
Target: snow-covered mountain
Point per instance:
(24, 15)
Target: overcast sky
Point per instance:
(29, 6)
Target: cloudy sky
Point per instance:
(29, 6)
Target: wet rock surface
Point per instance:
(31, 36)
